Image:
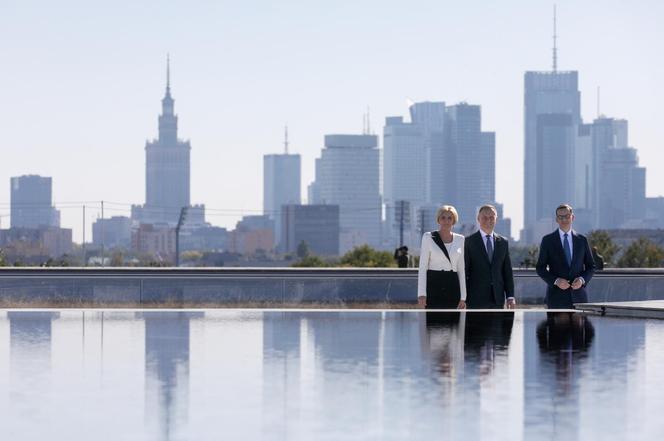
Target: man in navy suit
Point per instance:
(488, 265)
(565, 263)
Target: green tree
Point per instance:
(303, 250)
(311, 262)
(604, 244)
(642, 253)
(3, 260)
(366, 257)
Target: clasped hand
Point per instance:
(564, 284)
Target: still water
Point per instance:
(317, 375)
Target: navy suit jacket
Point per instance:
(552, 265)
(489, 283)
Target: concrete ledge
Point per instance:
(643, 309)
(227, 286)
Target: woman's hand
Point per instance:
(422, 302)
(462, 304)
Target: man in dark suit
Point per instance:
(565, 263)
(490, 282)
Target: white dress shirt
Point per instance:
(433, 258)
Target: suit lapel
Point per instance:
(498, 245)
(577, 247)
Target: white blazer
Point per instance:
(433, 258)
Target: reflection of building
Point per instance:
(167, 368)
(30, 341)
(316, 225)
(31, 202)
(281, 372)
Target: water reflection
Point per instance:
(333, 375)
(564, 339)
(167, 340)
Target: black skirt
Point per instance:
(443, 291)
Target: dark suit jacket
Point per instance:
(488, 284)
(552, 265)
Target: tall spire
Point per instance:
(168, 122)
(555, 36)
(168, 74)
(286, 139)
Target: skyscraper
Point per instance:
(621, 183)
(552, 116)
(441, 157)
(474, 161)
(281, 185)
(167, 168)
(31, 202)
(349, 177)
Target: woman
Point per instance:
(441, 281)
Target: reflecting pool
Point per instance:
(328, 375)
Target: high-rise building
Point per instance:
(609, 184)
(281, 185)
(113, 232)
(31, 202)
(441, 157)
(413, 157)
(474, 165)
(167, 169)
(622, 194)
(552, 117)
(349, 177)
(315, 225)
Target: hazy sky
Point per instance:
(81, 84)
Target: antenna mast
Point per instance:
(555, 36)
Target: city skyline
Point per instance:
(75, 105)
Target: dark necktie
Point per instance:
(489, 248)
(568, 251)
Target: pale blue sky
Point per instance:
(81, 84)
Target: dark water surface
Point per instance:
(318, 375)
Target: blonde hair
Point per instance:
(447, 209)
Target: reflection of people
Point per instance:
(565, 332)
(441, 280)
(564, 337)
(488, 265)
(445, 340)
(565, 263)
(599, 259)
(401, 256)
(487, 335)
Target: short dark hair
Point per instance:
(487, 207)
(564, 207)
